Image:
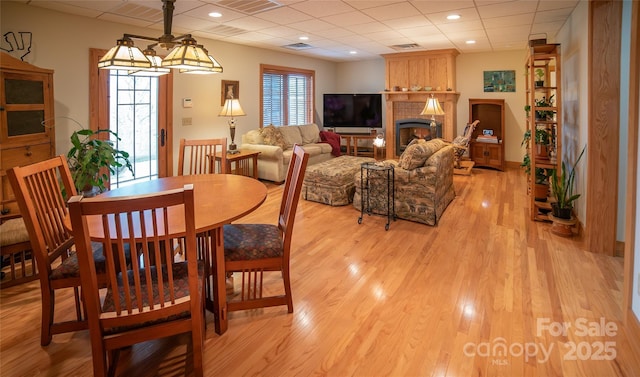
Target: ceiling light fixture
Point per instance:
(470, 42)
(303, 38)
(353, 52)
(215, 14)
(453, 17)
(185, 53)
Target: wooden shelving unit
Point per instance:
(547, 58)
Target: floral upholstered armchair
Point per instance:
(423, 182)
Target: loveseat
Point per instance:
(423, 182)
(276, 146)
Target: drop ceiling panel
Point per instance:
(370, 26)
(322, 8)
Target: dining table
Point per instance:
(219, 199)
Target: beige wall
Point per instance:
(368, 76)
(54, 32)
(469, 70)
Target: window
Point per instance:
(287, 95)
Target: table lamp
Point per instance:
(432, 107)
(232, 108)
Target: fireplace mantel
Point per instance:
(434, 68)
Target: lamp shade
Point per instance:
(124, 56)
(231, 108)
(217, 68)
(188, 55)
(432, 107)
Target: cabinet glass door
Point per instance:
(23, 102)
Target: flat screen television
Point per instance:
(352, 110)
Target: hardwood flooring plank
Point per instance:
(463, 298)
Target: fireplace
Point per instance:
(414, 128)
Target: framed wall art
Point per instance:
(499, 81)
(230, 89)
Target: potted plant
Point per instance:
(539, 72)
(562, 190)
(542, 140)
(89, 155)
(544, 102)
(527, 109)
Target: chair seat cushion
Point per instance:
(181, 289)
(13, 231)
(252, 241)
(69, 268)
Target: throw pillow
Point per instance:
(272, 136)
(418, 152)
(332, 139)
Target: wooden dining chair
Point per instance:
(152, 297)
(38, 191)
(253, 249)
(198, 156)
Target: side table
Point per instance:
(372, 176)
(239, 163)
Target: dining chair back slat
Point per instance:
(198, 156)
(152, 296)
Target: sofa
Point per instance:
(423, 183)
(275, 145)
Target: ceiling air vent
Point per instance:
(249, 6)
(298, 46)
(227, 31)
(406, 46)
(140, 12)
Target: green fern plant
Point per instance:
(89, 154)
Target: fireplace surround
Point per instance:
(414, 128)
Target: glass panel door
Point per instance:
(133, 108)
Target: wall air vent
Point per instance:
(249, 6)
(406, 46)
(298, 46)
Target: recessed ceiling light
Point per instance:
(215, 14)
(453, 17)
(470, 42)
(303, 38)
(353, 52)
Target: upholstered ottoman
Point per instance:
(332, 182)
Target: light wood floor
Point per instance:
(460, 299)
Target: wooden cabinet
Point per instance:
(435, 68)
(486, 147)
(26, 100)
(544, 120)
